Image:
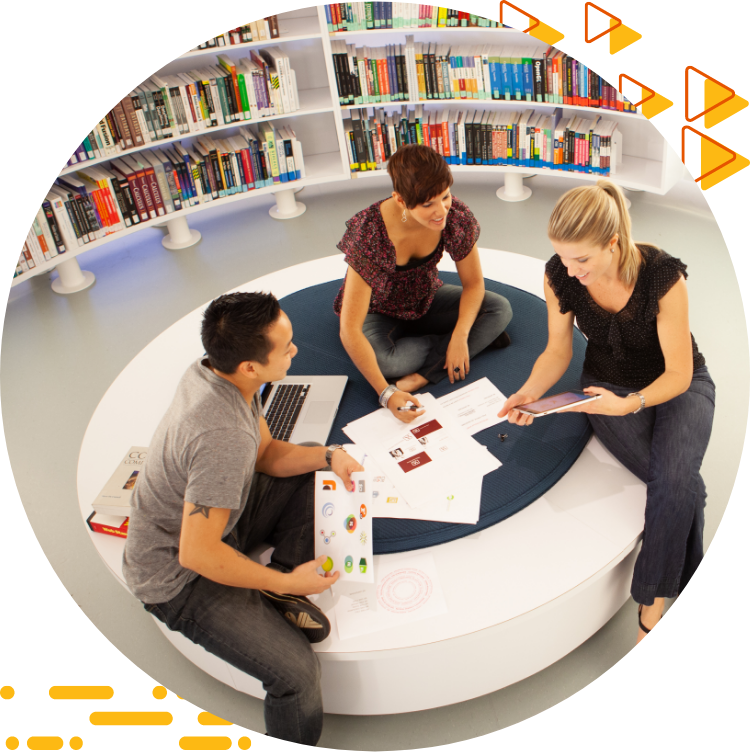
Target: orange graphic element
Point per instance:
(329, 485)
(159, 693)
(205, 742)
(662, 92)
(130, 719)
(44, 742)
(81, 693)
(653, 27)
(244, 743)
(209, 719)
(76, 742)
(11, 742)
(7, 693)
(714, 101)
(559, 32)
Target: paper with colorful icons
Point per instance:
(343, 526)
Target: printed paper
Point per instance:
(474, 406)
(406, 589)
(343, 526)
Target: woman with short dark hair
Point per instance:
(399, 322)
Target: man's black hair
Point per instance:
(235, 328)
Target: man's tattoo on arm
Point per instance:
(200, 510)
(241, 555)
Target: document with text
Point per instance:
(430, 458)
(475, 405)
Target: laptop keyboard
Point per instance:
(285, 408)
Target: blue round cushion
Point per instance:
(534, 458)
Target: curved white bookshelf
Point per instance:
(290, 30)
(496, 103)
(455, 34)
(321, 168)
(645, 163)
(311, 101)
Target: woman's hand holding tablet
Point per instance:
(521, 409)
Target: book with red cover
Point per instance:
(109, 524)
(134, 184)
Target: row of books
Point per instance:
(386, 15)
(416, 71)
(42, 244)
(262, 30)
(95, 201)
(481, 137)
(262, 85)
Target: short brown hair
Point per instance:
(418, 173)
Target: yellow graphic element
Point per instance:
(714, 94)
(725, 145)
(663, 105)
(157, 723)
(653, 713)
(676, 39)
(126, 729)
(536, 28)
(96, 692)
(561, 33)
(137, 742)
(690, 673)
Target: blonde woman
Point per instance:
(657, 397)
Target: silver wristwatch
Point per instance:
(330, 450)
(641, 398)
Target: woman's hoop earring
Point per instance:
(403, 216)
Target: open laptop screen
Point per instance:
(264, 392)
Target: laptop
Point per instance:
(302, 408)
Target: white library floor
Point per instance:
(61, 353)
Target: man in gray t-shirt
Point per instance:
(214, 486)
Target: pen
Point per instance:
(406, 409)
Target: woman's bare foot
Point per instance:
(411, 382)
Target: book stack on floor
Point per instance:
(257, 31)
(98, 200)
(484, 137)
(424, 71)
(112, 506)
(373, 16)
(166, 107)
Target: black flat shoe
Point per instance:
(500, 342)
(640, 623)
(302, 613)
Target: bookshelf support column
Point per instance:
(180, 235)
(513, 189)
(287, 207)
(72, 278)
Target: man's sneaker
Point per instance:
(302, 613)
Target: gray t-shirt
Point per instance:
(204, 452)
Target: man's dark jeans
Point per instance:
(664, 447)
(242, 628)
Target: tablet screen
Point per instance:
(554, 402)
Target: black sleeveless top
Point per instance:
(623, 348)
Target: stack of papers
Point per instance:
(432, 464)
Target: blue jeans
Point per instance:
(419, 346)
(242, 628)
(664, 447)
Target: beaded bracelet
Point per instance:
(385, 395)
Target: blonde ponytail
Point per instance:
(594, 214)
